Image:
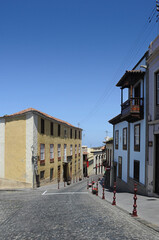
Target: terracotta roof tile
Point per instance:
(44, 114)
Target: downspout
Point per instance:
(128, 156)
(147, 128)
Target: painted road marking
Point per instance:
(64, 193)
(44, 192)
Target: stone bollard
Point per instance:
(103, 196)
(114, 198)
(134, 213)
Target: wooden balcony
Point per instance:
(133, 109)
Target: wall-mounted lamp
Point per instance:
(143, 66)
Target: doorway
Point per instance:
(157, 165)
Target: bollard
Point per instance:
(134, 213)
(97, 189)
(114, 198)
(103, 196)
(92, 186)
(87, 184)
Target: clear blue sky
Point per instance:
(64, 57)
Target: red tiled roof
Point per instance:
(130, 77)
(102, 148)
(44, 114)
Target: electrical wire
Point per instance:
(138, 44)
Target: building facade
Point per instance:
(153, 117)
(37, 148)
(99, 157)
(108, 163)
(129, 130)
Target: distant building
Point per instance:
(36, 148)
(88, 161)
(108, 163)
(98, 153)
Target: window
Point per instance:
(51, 153)
(124, 138)
(78, 164)
(42, 154)
(71, 133)
(75, 150)
(136, 170)
(59, 130)
(42, 174)
(51, 173)
(79, 134)
(71, 149)
(79, 149)
(51, 129)
(120, 167)
(42, 126)
(65, 152)
(137, 137)
(116, 139)
(59, 152)
(75, 134)
(65, 133)
(157, 89)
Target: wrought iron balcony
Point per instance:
(133, 109)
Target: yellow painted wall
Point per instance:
(47, 139)
(15, 148)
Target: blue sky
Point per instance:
(64, 57)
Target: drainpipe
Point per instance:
(128, 157)
(147, 128)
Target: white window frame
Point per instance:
(51, 151)
(42, 151)
(59, 150)
(71, 149)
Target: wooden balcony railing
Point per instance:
(132, 109)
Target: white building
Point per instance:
(153, 117)
(129, 129)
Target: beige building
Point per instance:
(37, 148)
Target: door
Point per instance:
(137, 94)
(51, 174)
(137, 91)
(157, 165)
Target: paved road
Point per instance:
(69, 213)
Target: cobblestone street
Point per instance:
(67, 213)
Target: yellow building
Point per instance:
(36, 147)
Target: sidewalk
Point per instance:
(147, 207)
